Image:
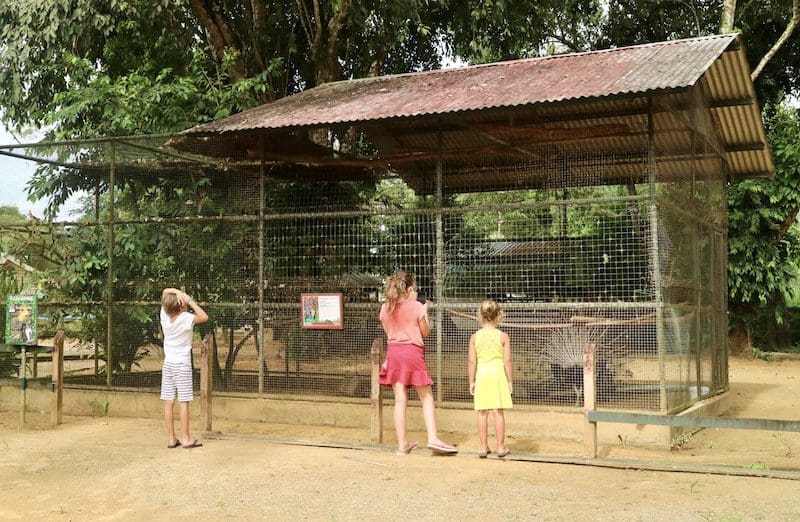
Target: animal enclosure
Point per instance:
(592, 220)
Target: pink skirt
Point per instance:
(405, 363)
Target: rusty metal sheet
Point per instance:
(628, 70)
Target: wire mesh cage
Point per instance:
(608, 228)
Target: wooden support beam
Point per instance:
(57, 379)
(376, 394)
(589, 400)
(206, 382)
(688, 421)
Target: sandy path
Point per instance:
(120, 469)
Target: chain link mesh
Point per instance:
(586, 231)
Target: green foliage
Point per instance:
(762, 241)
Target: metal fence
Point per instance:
(624, 247)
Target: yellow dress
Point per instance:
(491, 384)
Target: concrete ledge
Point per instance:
(524, 422)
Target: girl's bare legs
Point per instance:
(483, 430)
(429, 414)
(400, 403)
(500, 430)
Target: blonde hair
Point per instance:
(169, 302)
(490, 312)
(397, 287)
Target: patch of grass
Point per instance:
(786, 444)
(99, 409)
(679, 441)
(756, 465)
(758, 354)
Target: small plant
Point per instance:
(786, 444)
(756, 465)
(679, 441)
(99, 408)
(623, 441)
(758, 354)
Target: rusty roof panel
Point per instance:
(628, 70)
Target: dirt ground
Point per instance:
(119, 469)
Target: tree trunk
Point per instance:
(728, 12)
(221, 36)
(739, 341)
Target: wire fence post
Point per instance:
(439, 269)
(260, 338)
(110, 274)
(589, 399)
(376, 394)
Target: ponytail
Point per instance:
(397, 287)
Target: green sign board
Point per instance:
(21, 320)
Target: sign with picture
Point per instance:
(21, 320)
(321, 311)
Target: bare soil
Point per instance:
(120, 469)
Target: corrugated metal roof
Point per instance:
(627, 70)
(603, 89)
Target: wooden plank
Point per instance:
(206, 382)
(376, 394)
(57, 379)
(589, 400)
(687, 421)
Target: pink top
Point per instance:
(402, 324)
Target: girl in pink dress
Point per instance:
(405, 321)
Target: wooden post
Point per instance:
(57, 379)
(376, 423)
(590, 428)
(23, 385)
(206, 381)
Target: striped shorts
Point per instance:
(176, 377)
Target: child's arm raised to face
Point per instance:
(472, 364)
(506, 340)
(200, 315)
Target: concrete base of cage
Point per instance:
(524, 422)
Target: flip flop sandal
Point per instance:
(194, 444)
(409, 449)
(442, 449)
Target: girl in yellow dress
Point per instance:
(490, 376)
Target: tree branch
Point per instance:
(786, 224)
(305, 21)
(790, 27)
(220, 35)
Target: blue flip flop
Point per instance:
(177, 443)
